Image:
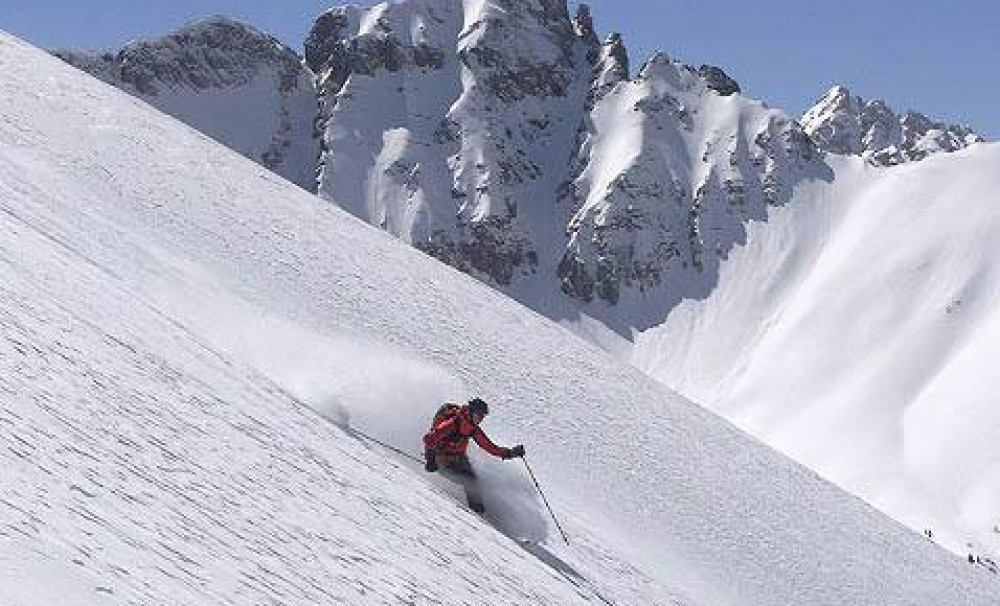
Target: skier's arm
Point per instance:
(484, 442)
(431, 438)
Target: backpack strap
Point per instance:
(446, 411)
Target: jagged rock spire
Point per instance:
(610, 68)
(834, 122)
(718, 80)
(842, 123)
(583, 25)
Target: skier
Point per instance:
(445, 443)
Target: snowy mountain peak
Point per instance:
(213, 52)
(834, 122)
(672, 167)
(351, 40)
(841, 123)
(229, 80)
(718, 80)
(527, 156)
(838, 96)
(686, 77)
(661, 65)
(466, 125)
(610, 67)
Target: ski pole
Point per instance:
(546, 501)
(384, 445)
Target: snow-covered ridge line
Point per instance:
(505, 139)
(484, 135)
(212, 52)
(842, 123)
(234, 83)
(165, 299)
(471, 131)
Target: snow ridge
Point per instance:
(505, 140)
(466, 115)
(232, 82)
(842, 123)
(673, 166)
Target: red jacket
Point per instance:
(450, 436)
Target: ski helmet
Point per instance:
(478, 406)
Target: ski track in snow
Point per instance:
(135, 451)
(168, 308)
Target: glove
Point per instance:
(430, 460)
(510, 453)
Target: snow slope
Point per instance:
(168, 310)
(234, 83)
(856, 332)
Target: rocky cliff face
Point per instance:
(673, 165)
(845, 124)
(228, 80)
(450, 124)
(505, 139)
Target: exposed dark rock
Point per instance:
(212, 53)
(333, 51)
(841, 123)
(610, 67)
(543, 80)
(487, 247)
(718, 80)
(583, 25)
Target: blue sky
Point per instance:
(936, 56)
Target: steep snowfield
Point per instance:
(168, 310)
(672, 174)
(856, 332)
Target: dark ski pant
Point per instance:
(459, 469)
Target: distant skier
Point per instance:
(447, 439)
